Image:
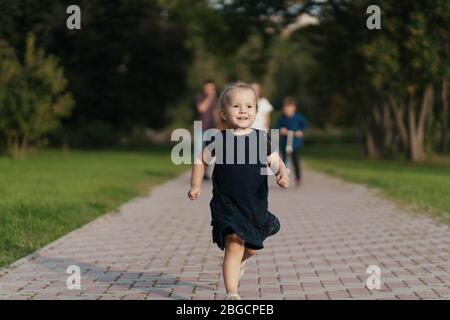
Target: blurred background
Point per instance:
(136, 65)
(72, 102)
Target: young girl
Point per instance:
(240, 218)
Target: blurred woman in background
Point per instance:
(264, 109)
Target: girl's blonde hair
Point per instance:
(223, 99)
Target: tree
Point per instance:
(33, 96)
(125, 67)
(238, 33)
(389, 77)
(403, 62)
(441, 36)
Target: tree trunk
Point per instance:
(417, 130)
(444, 97)
(23, 147)
(372, 149)
(398, 112)
(412, 148)
(15, 147)
(388, 131)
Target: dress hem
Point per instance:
(220, 233)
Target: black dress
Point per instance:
(240, 191)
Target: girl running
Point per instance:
(239, 206)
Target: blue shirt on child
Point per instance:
(294, 123)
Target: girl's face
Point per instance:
(240, 112)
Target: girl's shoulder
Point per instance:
(259, 132)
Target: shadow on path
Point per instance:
(156, 282)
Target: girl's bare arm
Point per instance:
(198, 171)
(279, 168)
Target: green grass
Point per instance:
(424, 187)
(51, 193)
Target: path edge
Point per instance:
(33, 255)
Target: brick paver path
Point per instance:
(160, 247)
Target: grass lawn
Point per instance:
(51, 193)
(424, 187)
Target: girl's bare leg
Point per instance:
(234, 252)
(248, 253)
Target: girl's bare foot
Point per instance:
(232, 296)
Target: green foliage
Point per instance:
(383, 80)
(290, 74)
(227, 25)
(125, 66)
(237, 35)
(407, 50)
(139, 63)
(33, 96)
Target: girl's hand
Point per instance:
(298, 133)
(194, 193)
(283, 131)
(283, 179)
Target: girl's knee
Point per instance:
(234, 243)
(234, 238)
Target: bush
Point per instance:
(94, 135)
(32, 97)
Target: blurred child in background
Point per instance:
(292, 122)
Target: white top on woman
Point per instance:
(264, 107)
